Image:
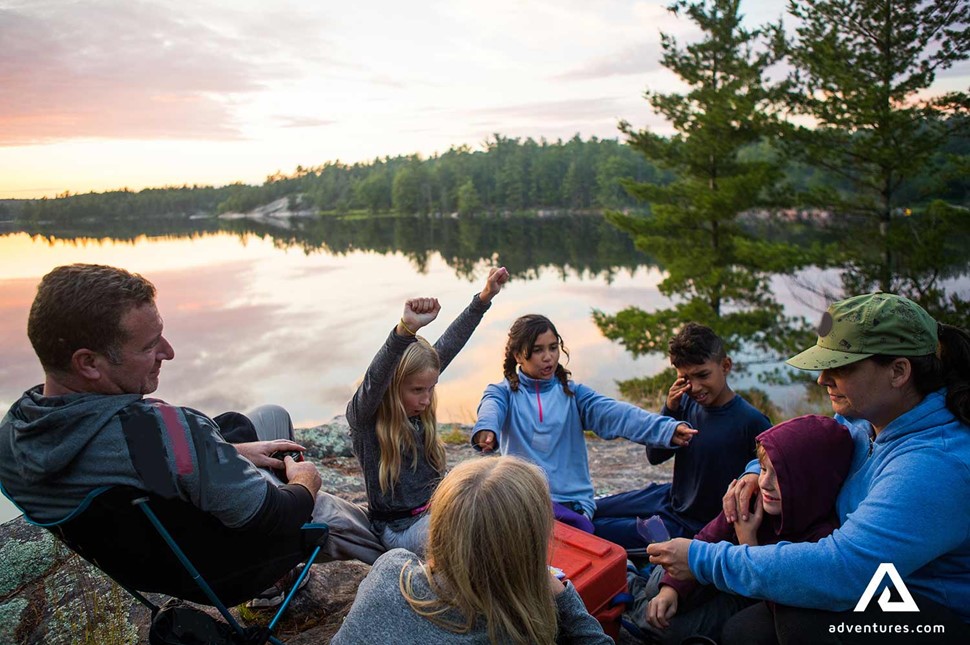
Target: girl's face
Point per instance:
(416, 391)
(770, 493)
(545, 357)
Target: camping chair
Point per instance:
(151, 550)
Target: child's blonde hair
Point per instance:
(488, 541)
(395, 434)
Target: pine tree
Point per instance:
(717, 273)
(861, 71)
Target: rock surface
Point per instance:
(48, 595)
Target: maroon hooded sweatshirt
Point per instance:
(811, 456)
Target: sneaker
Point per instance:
(274, 595)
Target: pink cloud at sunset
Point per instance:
(105, 94)
(134, 70)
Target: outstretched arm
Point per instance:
(461, 329)
(833, 572)
(610, 419)
(492, 411)
(497, 277)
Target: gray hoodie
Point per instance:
(381, 614)
(56, 451)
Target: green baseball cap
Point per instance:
(862, 326)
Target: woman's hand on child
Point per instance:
(682, 435)
(418, 312)
(747, 528)
(497, 276)
(680, 387)
(485, 440)
(672, 556)
(662, 607)
(738, 497)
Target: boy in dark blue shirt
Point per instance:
(727, 426)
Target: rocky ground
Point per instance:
(50, 596)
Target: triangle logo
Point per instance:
(885, 603)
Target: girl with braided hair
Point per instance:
(539, 414)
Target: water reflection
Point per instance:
(295, 316)
(292, 311)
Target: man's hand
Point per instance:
(662, 607)
(680, 387)
(682, 435)
(497, 276)
(259, 452)
(672, 556)
(418, 312)
(485, 439)
(747, 527)
(738, 497)
(303, 473)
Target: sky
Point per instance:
(105, 94)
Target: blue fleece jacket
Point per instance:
(541, 423)
(906, 503)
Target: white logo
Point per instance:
(906, 604)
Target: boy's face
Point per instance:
(770, 493)
(708, 381)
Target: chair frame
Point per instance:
(143, 504)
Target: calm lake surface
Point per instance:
(258, 313)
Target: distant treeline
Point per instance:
(569, 244)
(509, 175)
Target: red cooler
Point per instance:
(596, 567)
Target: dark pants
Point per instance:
(616, 516)
(758, 625)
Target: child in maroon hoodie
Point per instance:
(804, 462)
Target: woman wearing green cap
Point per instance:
(901, 382)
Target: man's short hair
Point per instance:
(696, 344)
(80, 306)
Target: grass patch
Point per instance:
(453, 436)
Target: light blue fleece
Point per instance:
(907, 503)
(541, 423)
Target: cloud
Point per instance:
(544, 111)
(636, 59)
(304, 122)
(137, 69)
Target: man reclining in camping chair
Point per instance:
(76, 450)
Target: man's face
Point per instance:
(140, 356)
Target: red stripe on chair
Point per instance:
(176, 432)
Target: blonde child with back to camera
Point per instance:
(485, 578)
(392, 417)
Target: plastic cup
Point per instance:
(652, 529)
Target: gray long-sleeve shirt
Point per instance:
(415, 485)
(381, 614)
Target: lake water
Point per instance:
(278, 315)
